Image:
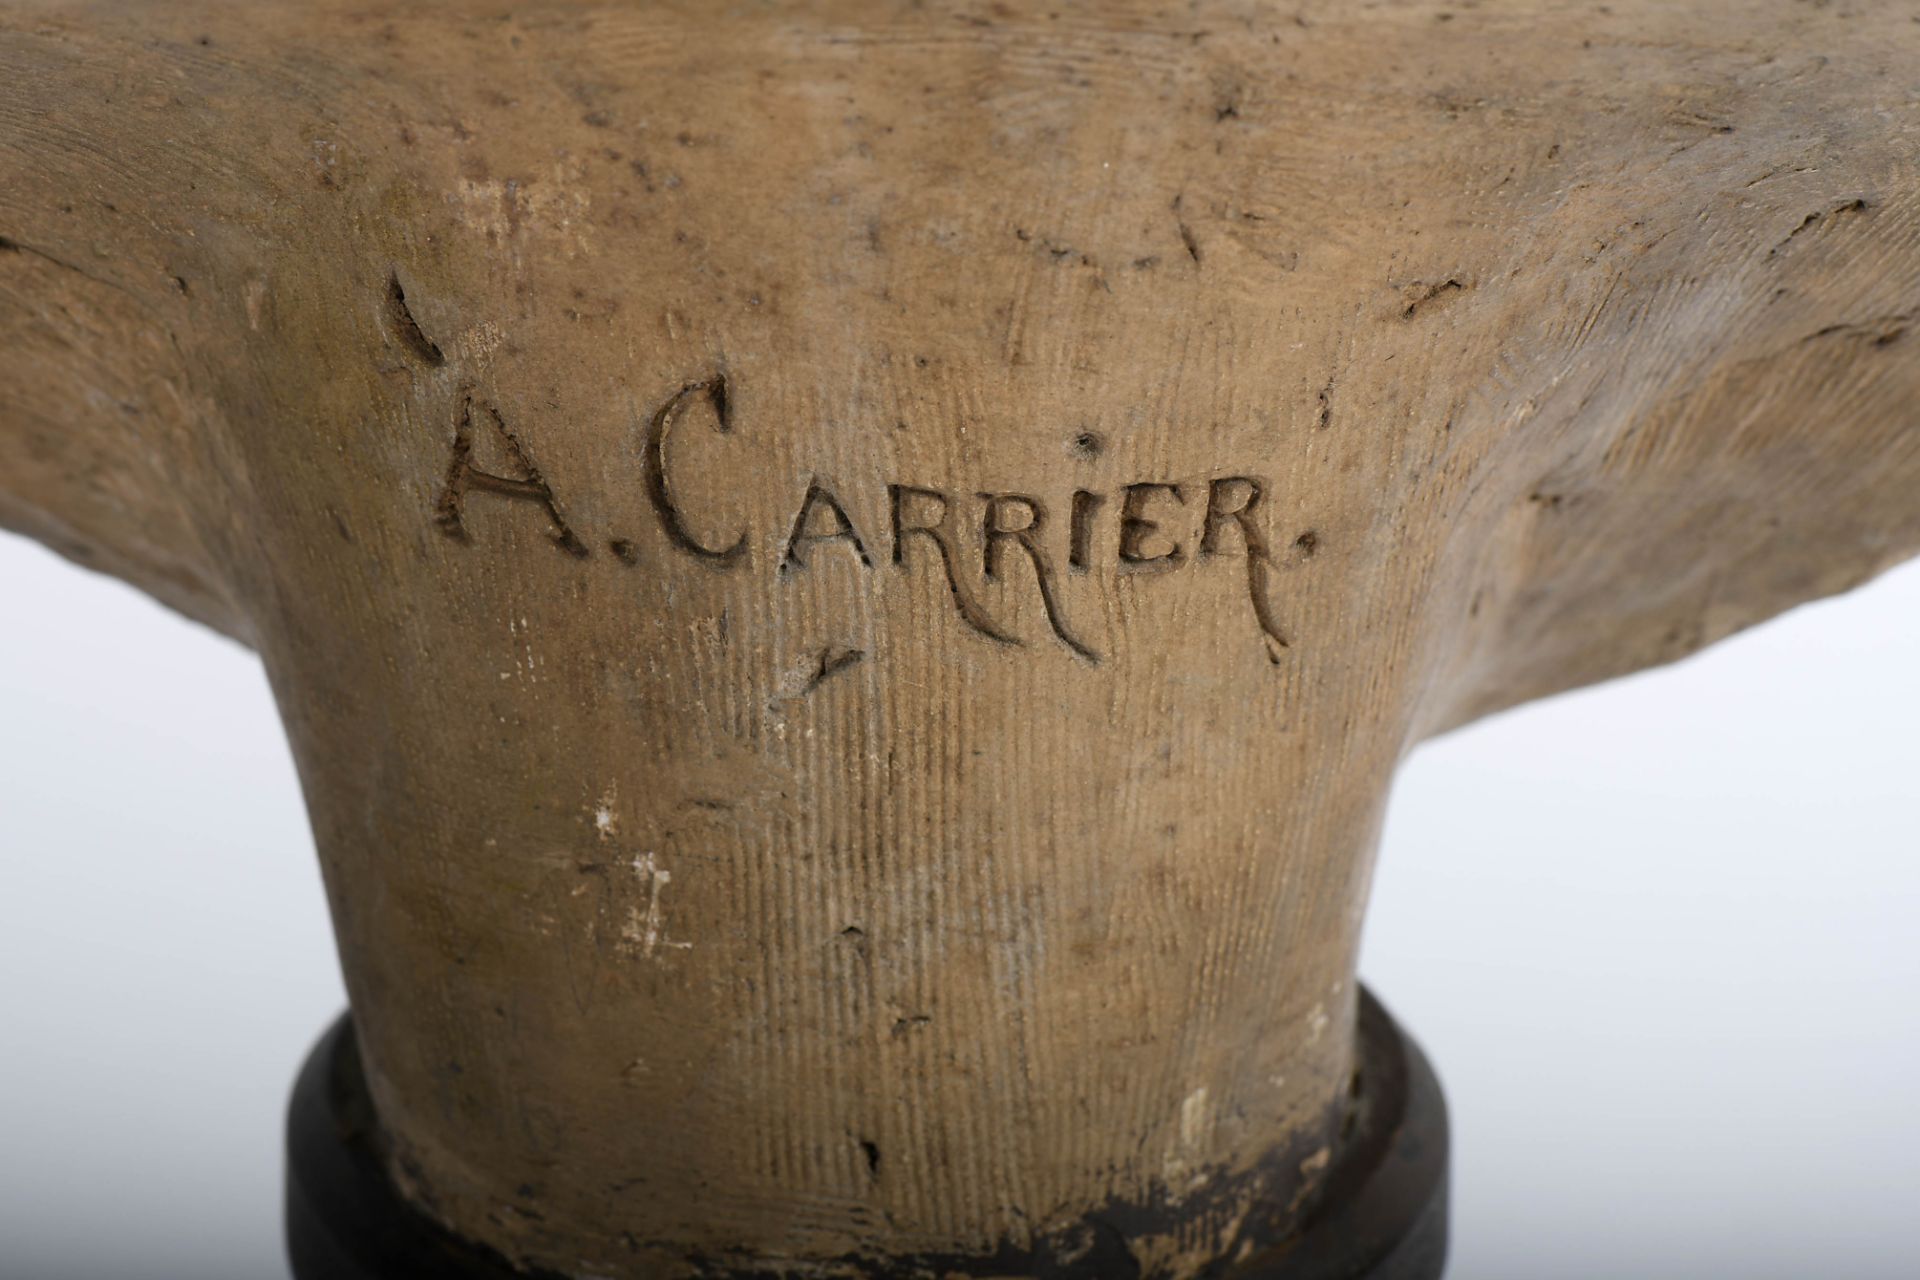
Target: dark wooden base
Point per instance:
(1383, 1215)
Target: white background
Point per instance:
(1657, 936)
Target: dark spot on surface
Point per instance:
(1186, 238)
(831, 662)
(1308, 542)
(1186, 232)
(1855, 205)
(1881, 332)
(624, 550)
(1088, 444)
(872, 1153)
(1420, 293)
(406, 329)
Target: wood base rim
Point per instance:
(1383, 1215)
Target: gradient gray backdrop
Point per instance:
(1658, 937)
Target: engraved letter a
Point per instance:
(464, 477)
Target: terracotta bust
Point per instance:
(847, 581)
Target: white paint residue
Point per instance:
(481, 340)
(1195, 1121)
(254, 295)
(554, 204)
(326, 158)
(1194, 1117)
(647, 929)
(1317, 1022)
(606, 819)
(525, 663)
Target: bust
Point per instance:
(847, 582)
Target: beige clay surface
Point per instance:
(848, 580)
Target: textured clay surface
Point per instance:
(848, 580)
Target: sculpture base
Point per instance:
(1383, 1215)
